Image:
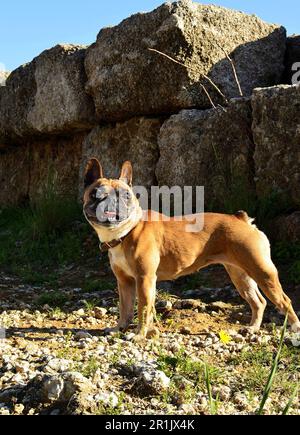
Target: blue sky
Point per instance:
(27, 27)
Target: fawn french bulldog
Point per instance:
(144, 248)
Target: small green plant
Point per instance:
(109, 409)
(291, 401)
(254, 377)
(53, 299)
(178, 393)
(115, 356)
(213, 403)
(67, 351)
(260, 356)
(89, 368)
(57, 313)
(200, 374)
(274, 369)
(91, 305)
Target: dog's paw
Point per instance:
(296, 327)
(139, 339)
(253, 329)
(153, 334)
(111, 331)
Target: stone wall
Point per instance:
(117, 100)
(211, 148)
(28, 171)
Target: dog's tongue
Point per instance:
(110, 214)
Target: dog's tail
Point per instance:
(243, 216)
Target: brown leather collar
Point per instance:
(105, 247)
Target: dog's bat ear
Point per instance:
(93, 172)
(127, 173)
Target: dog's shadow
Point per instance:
(32, 333)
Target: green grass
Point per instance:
(291, 401)
(68, 351)
(194, 282)
(274, 369)
(89, 368)
(108, 409)
(95, 285)
(294, 272)
(271, 206)
(53, 299)
(286, 252)
(91, 305)
(201, 375)
(184, 365)
(213, 403)
(238, 196)
(260, 356)
(289, 254)
(37, 239)
(271, 371)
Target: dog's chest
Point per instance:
(118, 259)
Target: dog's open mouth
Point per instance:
(105, 218)
(109, 217)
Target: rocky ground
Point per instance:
(55, 359)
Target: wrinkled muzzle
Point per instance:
(111, 209)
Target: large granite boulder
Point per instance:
(210, 148)
(276, 130)
(292, 57)
(60, 102)
(47, 96)
(134, 140)
(126, 79)
(16, 100)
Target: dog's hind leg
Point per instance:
(249, 291)
(268, 280)
(255, 258)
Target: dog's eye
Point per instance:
(94, 195)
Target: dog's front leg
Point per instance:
(146, 289)
(127, 297)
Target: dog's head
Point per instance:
(109, 203)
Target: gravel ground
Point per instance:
(57, 360)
